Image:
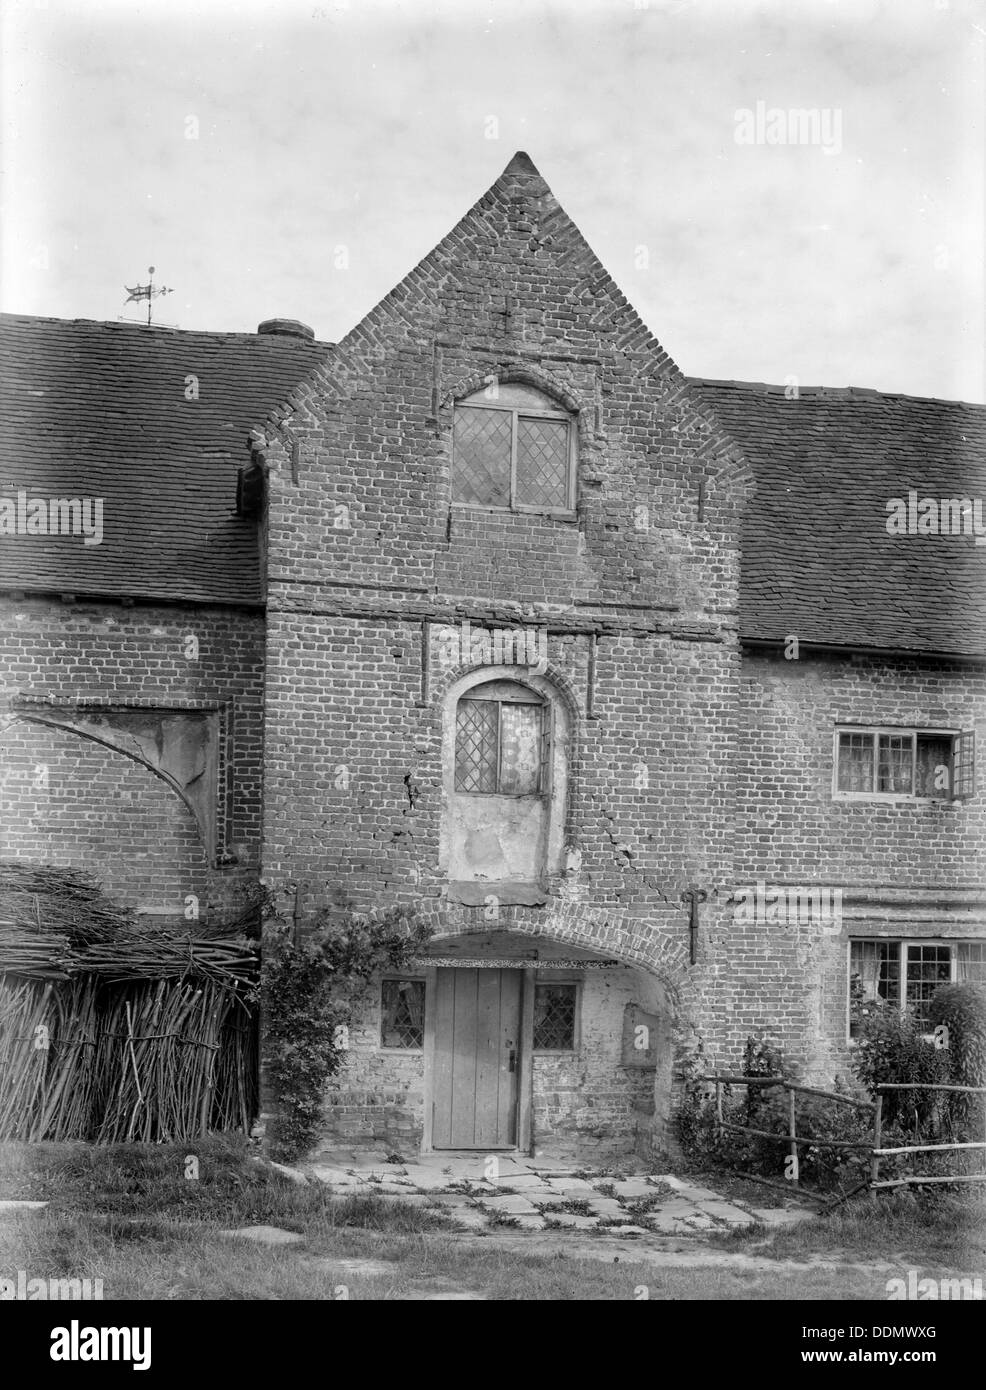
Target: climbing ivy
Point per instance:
(313, 989)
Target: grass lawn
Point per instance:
(129, 1216)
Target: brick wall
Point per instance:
(70, 801)
(367, 562)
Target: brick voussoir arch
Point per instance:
(523, 374)
(579, 926)
(556, 678)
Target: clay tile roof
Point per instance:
(99, 410)
(817, 560)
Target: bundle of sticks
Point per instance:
(115, 1032)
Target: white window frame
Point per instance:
(876, 731)
(902, 943)
(517, 412)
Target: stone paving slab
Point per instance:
(14, 1207)
(567, 1218)
(509, 1206)
(572, 1187)
(694, 1194)
(633, 1187)
(725, 1211)
(607, 1206)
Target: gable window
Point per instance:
(901, 763)
(402, 1014)
(513, 448)
(905, 974)
(555, 1012)
(502, 741)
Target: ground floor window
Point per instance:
(555, 1015)
(905, 974)
(402, 1013)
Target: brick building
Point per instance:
(639, 688)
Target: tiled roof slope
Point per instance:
(99, 410)
(816, 558)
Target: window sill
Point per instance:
(566, 514)
(891, 799)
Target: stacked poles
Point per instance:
(112, 1032)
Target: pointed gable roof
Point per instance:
(99, 409)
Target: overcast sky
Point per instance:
(374, 125)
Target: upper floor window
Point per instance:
(502, 740)
(901, 763)
(513, 448)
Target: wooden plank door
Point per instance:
(476, 1059)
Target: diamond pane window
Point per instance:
(542, 462)
(512, 448)
(402, 1013)
(482, 456)
(554, 1017)
(500, 740)
(477, 735)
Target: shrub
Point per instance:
(891, 1048)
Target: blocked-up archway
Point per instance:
(72, 796)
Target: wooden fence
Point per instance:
(872, 1146)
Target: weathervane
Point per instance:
(148, 292)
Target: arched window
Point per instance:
(502, 741)
(513, 448)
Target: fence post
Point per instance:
(793, 1133)
(718, 1100)
(877, 1137)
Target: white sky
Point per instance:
(366, 124)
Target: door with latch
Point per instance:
(476, 1068)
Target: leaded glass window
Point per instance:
(501, 741)
(554, 1017)
(513, 448)
(402, 1013)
